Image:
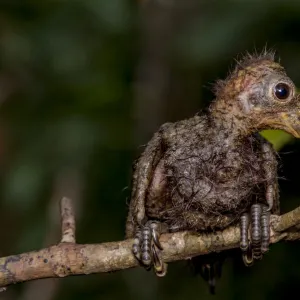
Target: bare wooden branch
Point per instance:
(288, 220)
(68, 258)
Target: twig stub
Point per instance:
(67, 221)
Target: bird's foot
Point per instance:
(147, 247)
(259, 221)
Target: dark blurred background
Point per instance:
(83, 85)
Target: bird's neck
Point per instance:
(227, 117)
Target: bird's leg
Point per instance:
(147, 247)
(258, 219)
(270, 169)
(259, 216)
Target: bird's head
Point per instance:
(258, 95)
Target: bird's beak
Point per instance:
(287, 118)
(291, 122)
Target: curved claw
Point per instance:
(155, 238)
(248, 257)
(159, 266)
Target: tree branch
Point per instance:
(68, 258)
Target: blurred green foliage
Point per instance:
(82, 85)
(278, 138)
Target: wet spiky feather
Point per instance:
(242, 63)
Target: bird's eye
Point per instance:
(282, 91)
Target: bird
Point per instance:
(214, 169)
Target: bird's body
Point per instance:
(205, 172)
(214, 169)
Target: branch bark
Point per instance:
(68, 258)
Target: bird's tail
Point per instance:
(209, 267)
